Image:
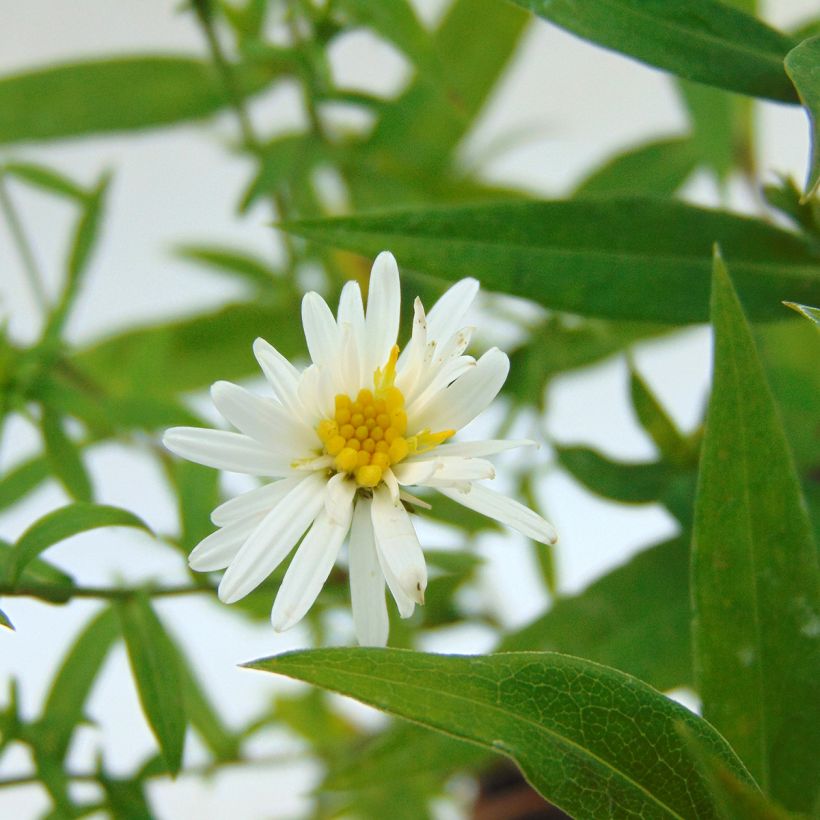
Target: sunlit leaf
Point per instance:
(546, 711)
(701, 40)
(811, 313)
(155, 666)
(803, 66)
(639, 259)
(756, 585)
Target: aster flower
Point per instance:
(342, 440)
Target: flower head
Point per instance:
(342, 440)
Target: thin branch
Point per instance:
(59, 595)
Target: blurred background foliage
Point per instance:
(128, 386)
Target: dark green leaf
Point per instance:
(115, 94)
(65, 522)
(38, 574)
(155, 666)
(64, 457)
(22, 479)
(811, 313)
(126, 798)
(652, 169)
(803, 66)
(599, 257)
(635, 619)
(756, 585)
(592, 740)
(786, 197)
(701, 40)
(236, 263)
(46, 178)
(72, 683)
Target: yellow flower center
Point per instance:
(368, 434)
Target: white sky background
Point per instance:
(579, 104)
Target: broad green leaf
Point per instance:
(47, 179)
(803, 66)
(592, 740)
(756, 584)
(22, 479)
(608, 622)
(115, 94)
(73, 682)
(64, 522)
(64, 457)
(653, 169)
(190, 354)
(703, 40)
(629, 483)
(811, 313)
(599, 257)
(5, 622)
(155, 666)
(236, 263)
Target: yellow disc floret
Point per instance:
(368, 434)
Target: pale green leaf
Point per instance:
(254, 270)
(22, 479)
(47, 179)
(803, 65)
(592, 740)
(756, 584)
(64, 457)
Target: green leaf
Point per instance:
(65, 522)
(639, 259)
(811, 313)
(126, 798)
(608, 622)
(254, 270)
(47, 179)
(72, 684)
(5, 622)
(197, 494)
(22, 479)
(115, 94)
(592, 740)
(701, 40)
(38, 573)
(652, 169)
(64, 457)
(803, 66)
(155, 666)
(756, 584)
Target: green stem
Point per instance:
(24, 248)
(59, 595)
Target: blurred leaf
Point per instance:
(4, 621)
(64, 522)
(310, 715)
(756, 585)
(115, 94)
(155, 666)
(786, 198)
(256, 271)
(64, 457)
(546, 711)
(635, 618)
(197, 494)
(72, 684)
(39, 573)
(126, 798)
(811, 313)
(48, 179)
(701, 40)
(652, 169)
(803, 66)
(189, 354)
(599, 257)
(22, 479)
(630, 483)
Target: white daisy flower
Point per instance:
(342, 440)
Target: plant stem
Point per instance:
(24, 248)
(59, 595)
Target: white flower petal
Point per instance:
(225, 451)
(321, 333)
(392, 484)
(383, 305)
(474, 449)
(504, 510)
(263, 419)
(366, 581)
(339, 497)
(466, 397)
(280, 373)
(351, 313)
(447, 315)
(220, 547)
(414, 472)
(253, 502)
(398, 545)
(273, 539)
(309, 569)
(456, 468)
(315, 396)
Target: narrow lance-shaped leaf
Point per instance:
(701, 40)
(155, 666)
(65, 522)
(47, 179)
(116, 94)
(811, 313)
(803, 65)
(756, 585)
(64, 457)
(594, 741)
(597, 257)
(21, 479)
(5, 621)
